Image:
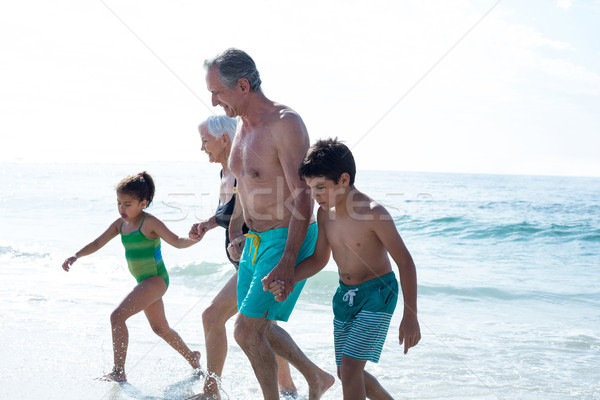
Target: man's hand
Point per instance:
(284, 274)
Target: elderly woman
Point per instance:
(217, 134)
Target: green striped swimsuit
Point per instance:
(143, 255)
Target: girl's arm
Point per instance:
(157, 228)
(97, 244)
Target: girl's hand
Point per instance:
(198, 230)
(68, 262)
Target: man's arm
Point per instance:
(308, 267)
(291, 142)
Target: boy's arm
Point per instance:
(158, 228)
(95, 245)
(308, 267)
(386, 231)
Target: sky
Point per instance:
(501, 87)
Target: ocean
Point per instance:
(508, 272)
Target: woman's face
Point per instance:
(214, 147)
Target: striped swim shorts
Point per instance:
(361, 317)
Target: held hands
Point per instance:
(276, 287)
(68, 262)
(410, 333)
(198, 230)
(283, 275)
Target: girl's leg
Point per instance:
(155, 313)
(144, 294)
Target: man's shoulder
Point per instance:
(285, 118)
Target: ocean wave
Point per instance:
(201, 269)
(12, 252)
(483, 293)
(465, 228)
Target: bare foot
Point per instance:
(288, 394)
(195, 361)
(210, 392)
(113, 377)
(204, 396)
(319, 385)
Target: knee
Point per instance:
(348, 372)
(160, 329)
(242, 333)
(211, 317)
(117, 317)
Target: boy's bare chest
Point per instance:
(350, 234)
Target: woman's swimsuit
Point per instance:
(223, 216)
(143, 255)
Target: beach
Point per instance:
(508, 271)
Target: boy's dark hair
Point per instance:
(329, 158)
(140, 186)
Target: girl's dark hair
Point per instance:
(329, 158)
(140, 186)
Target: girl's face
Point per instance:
(129, 206)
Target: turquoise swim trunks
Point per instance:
(361, 317)
(262, 252)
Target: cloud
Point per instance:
(564, 4)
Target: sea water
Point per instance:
(508, 272)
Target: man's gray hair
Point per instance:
(233, 65)
(217, 125)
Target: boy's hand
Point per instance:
(410, 333)
(277, 288)
(68, 262)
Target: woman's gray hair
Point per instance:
(217, 125)
(233, 65)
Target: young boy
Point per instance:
(360, 233)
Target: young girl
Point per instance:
(140, 233)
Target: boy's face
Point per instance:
(326, 192)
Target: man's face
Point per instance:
(221, 95)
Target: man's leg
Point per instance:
(249, 333)
(284, 346)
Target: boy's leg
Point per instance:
(144, 294)
(351, 373)
(155, 313)
(374, 390)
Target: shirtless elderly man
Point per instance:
(269, 145)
